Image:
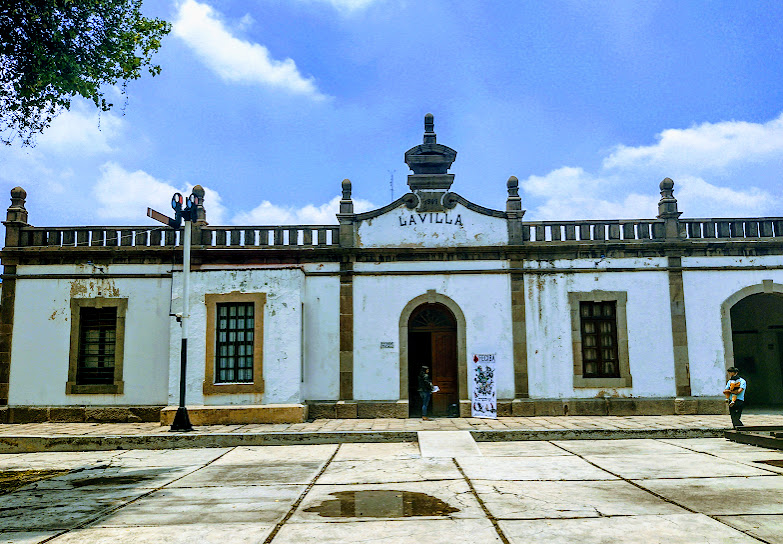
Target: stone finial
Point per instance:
(667, 210)
(201, 213)
(667, 205)
(346, 204)
(16, 212)
(514, 202)
(429, 129)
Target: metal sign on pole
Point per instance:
(181, 419)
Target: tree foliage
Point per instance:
(52, 51)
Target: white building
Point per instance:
(289, 322)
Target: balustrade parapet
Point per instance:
(245, 237)
(323, 236)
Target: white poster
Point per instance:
(482, 378)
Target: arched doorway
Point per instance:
(432, 342)
(757, 341)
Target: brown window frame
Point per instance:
(620, 298)
(236, 348)
(116, 387)
(602, 342)
(210, 386)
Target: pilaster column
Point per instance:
(519, 330)
(682, 378)
(346, 329)
(16, 218)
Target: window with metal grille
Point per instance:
(234, 343)
(599, 339)
(97, 341)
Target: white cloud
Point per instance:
(740, 158)
(81, 130)
(235, 60)
(124, 196)
(706, 147)
(267, 213)
(347, 6)
(572, 193)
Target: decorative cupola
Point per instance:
(430, 161)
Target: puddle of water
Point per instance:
(773, 462)
(11, 480)
(381, 504)
(110, 480)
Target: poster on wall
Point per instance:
(484, 392)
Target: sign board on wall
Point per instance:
(483, 387)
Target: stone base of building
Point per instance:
(352, 409)
(358, 409)
(79, 414)
(616, 406)
(239, 414)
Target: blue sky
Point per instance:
(269, 104)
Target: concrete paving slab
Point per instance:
(431, 531)
(723, 496)
(208, 505)
(531, 468)
(114, 478)
(251, 474)
(447, 444)
(36, 510)
(531, 500)
(533, 448)
(768, 528)
(686, 465)
(401, 450)
(712, 445)
(754, 459)
(168, 458)
(668, 529)
(26, 537)
(388, 470)
(386, 501)
(56, 460)
(233, 533)
(620, 447)
(244, 455)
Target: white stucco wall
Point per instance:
(549, 343)
(42, 329)
(460, 226)
(322, 338)
(380, 300)
(282, 362)
(705, 291)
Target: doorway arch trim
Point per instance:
(431, 297)
(766, 286)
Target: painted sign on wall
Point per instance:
(484, 390)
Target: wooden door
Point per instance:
(432, 341)
(444, 371)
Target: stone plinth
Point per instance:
(238, 415)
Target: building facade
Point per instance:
(289, 322)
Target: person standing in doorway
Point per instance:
(735, 395)
(425, 390)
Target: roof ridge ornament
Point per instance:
(430, 161)
(429, 129)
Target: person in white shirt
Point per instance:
(735, 395)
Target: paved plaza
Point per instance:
(538, 423)
(442, 488)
